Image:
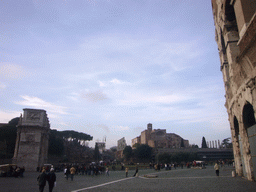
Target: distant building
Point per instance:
(101, 146)
(235, 29)
(158, 138)
(135, 140)
(121, 144)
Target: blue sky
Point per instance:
(109, 67)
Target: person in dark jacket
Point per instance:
(41, 179)
(136, 171)
(51, 177)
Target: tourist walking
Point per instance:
(51, 177)
(72, 172)
(41, 179)
(126, 171)
(136, 171)
(22, 170)
(107, 171)
(217, 168)
(67, 172)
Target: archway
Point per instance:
(248, 116)
(250, 129)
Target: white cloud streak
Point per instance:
(11, 71)
(6, 116)
(39, 103)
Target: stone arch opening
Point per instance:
(248, 116)
(230, 18)
(230, 12)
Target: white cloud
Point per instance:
(6, 116)
(74, 96)
(116, 81)
(94, 96)
(101, 84)
(2, 85)
(97, 127)
(121, 128)
(140, 98)
(39, 103)
(110, 52)
(11, 71)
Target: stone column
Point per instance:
(246, 152)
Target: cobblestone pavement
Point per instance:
(192, 180)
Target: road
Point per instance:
(192, 180)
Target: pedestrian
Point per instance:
(67, 172)
(72, 172)
(17, 172)
(41, 179)
(126, 171)
(217, 168)
(107, 171)
(22, 170)
(136, 171)
(51, 177)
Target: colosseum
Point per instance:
(235, 27)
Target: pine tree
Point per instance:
(204, 143)
(96, 153)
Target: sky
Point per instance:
(107, 68)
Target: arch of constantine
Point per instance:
(31, 149)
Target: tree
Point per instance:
(113, 149)
(176, 157)
(8, 138)
(143, 152)
(127, 152)
(226, 143)
(164, 158)
(14, 121)
(75, 136)
(56, 143)
(96, 153)
(194, 146)
(204, 145)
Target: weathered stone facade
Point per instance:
(121, 144)
(101, 146)
(31, 150)
(235, 24)
(158, 138)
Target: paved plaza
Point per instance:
(192, 180)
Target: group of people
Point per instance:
(69, 172)
(15, 171)
(44, 177)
